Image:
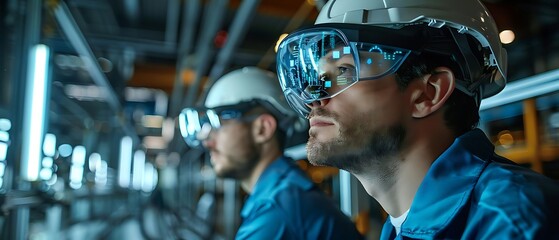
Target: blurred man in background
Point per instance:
(244, 125)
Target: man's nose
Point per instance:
(207, 137)
(208, 142)
(318, 103)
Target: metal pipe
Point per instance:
(519, 90)
(191, 13)
(63, 101)
(78, 41)
(213, 17)
(172, 25)
(18, 223)
(237, 31)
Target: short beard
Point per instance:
(242, 164)
(358, 151)
(242, 168)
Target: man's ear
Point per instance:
(432, 92)
(263, 128)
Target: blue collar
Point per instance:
(446, 188)
(279, 170)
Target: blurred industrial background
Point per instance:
(92, 151)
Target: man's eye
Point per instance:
(341, 70)
(345, 70)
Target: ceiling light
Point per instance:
(35, 111)
(506, 36)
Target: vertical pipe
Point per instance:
(191, 13)
(237, 32)
(531, 131)
(345, 192)
(213, 19)
(172, 21)
(230, 192)
(30, 21)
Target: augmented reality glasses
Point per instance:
(196, 124)
(322, 62)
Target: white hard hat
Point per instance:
(246, 84)
(466, 16)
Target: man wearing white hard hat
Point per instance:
(244, 125)
(392, 90)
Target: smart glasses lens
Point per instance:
(321, 63)
(196, 124)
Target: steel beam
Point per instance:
(78, 41)
(213, 19)
(237, 32)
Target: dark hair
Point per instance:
(461, 111)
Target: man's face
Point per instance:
(361, 124)
(232, 149)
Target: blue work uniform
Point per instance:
(285, 204)
(471, 193)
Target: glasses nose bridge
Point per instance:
(208, 139)
(206, 132)
(318, 103)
